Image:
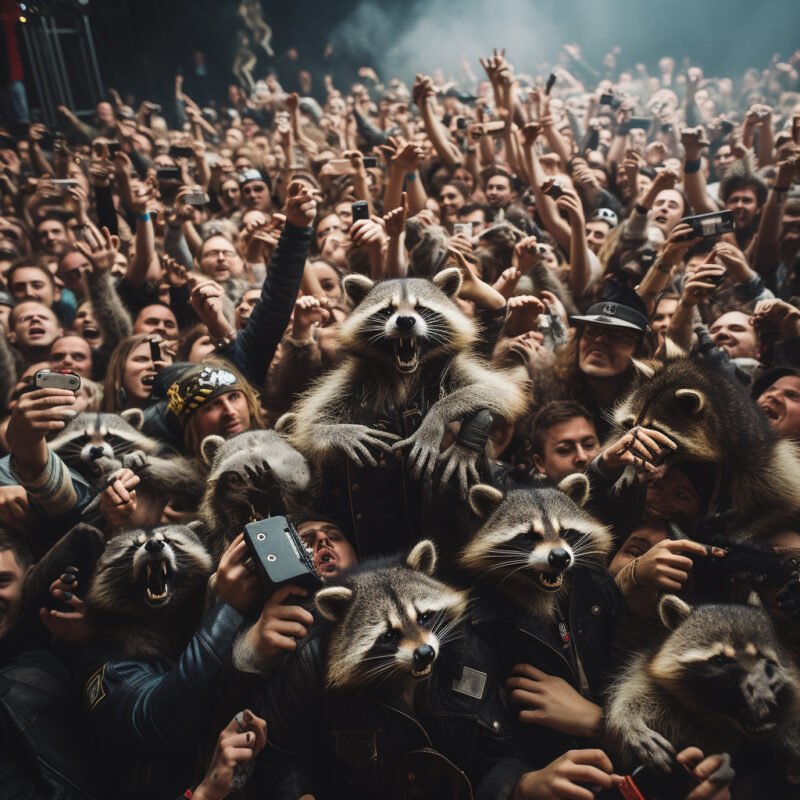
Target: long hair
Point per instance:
(191, 435)
(114, 399)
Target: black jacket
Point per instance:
(44, 753)
(454, 743)
(577, 647)
(150, 716)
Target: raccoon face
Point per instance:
(390, 622)
(92, 437)
(143, 570)
(250, 476)
(725, 663)
(405, 322)
(531, 538)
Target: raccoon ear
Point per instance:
(672, 350)
(333, 602)
(643, 368)
(673, 611)
(449, 281)
(690, 400)
(483, 499)
(134, 417)
(422, 558)
(209, 447)
(357, 287)
(576, 487)
(285, 424)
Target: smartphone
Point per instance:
(640, 122)
(370, 162)
(464, 228)
(63, 184)
(111, 145)
(716, 279)
(726, 126)
(461, 123)
(360, 210)
(610, 99)
(339, 166)
(197, 199)
(57, 379)
(494, 128)
(550, 83)
(713, 224)
(178, 151)
(168, 174)
(155, 350)
(554, 190)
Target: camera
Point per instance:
(168, 174)
(279, 555)
(554, 190)
(57, 379)
(360, 210)
(610, 99)
(181, 151)
(713, 224)
(463, 227)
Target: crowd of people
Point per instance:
(188, 267)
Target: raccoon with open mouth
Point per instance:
(719, 681)
(408, 373)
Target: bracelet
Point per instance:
(690, 167)
(633, 572)
(144, 217)
(411, 176)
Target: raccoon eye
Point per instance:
(531, 536)
(425, 618)
(720, 660)
(389, 637)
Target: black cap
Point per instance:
(768, 378)
(615, 315)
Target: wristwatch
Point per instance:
(222, 342)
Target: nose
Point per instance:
(559, 558)
(405, 323)
(424, 655)
(580, 455)
(154, 546)
(95, 453)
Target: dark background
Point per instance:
(141, 43)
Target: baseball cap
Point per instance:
(768, 378)
(197, 386)
(606, 215)
(615, 315)
(252, 175)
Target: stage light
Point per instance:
(23, 19)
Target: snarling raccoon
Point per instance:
(389, 621)
(712, 420)
(97, 444)
(148, 589)
(252, 476)
(530, 540)
(719, 678)
(408, 353)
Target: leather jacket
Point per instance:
(454, 742)
(150, 716)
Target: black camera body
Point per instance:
(713, 224)
(279, 555)
(610, 99)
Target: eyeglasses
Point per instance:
(217, 253)
(614, 335)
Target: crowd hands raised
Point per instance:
(188, 268)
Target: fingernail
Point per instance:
(68, 596)
(68, 578)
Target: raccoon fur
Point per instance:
(719, 679)
(147, 592)
(254, 475)
(530, 540)
(404, 337)
(712, 420)
(389, 622)
(97, 444)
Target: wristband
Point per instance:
(144, 217)
(690, 167)
(411, 176)
(223, 341)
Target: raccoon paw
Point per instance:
(651, 747)
(462, 461)
(425, 443)
(625, 481)
(355, 441)
(724, 774)
(135, 461)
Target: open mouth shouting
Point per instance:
(549, 581)
(406, 355)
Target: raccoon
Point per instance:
(712, 420)
(408, 354)
(148, 588)
(390, 622)
(97, 445)
(719, 679)
(254, 475)
(531, 538)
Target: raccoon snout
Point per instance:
(405, 323)
(559, 558)
(424, 656)
(95, 453)
(154, 546)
